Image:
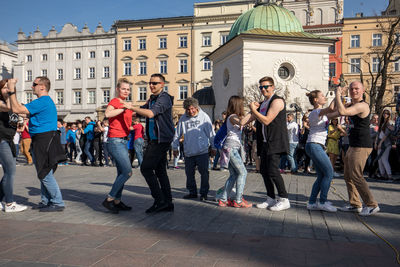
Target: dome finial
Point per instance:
(263, 2)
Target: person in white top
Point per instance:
(315, 149)
(293, 133)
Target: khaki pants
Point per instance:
(354, 163)
(26, 145)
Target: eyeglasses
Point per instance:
(265, 86)
(154, 83)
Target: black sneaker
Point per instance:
(39, 206)
(110, 206)
(157, 207)
(52, 208)
(190, 196)
(169, 208)
(122, 206)
(203, 197)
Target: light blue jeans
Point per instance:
(8, 163)
(117, 147)
(290, 156)
(51, 193)
(138, 146)
(324, 171)
(237, 173)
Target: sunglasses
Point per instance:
(154, 83)
(265, 86)
(35, 84)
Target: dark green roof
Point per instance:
(267, 17)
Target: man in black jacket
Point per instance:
(160, 133)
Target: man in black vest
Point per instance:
(272, 141)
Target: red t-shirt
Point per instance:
(119, 125)
(139, 131)
(25, 134)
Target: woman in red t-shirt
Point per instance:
(120, 120)
(138, 140)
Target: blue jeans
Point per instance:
(201, 161)
(237, 173)
(138, 145)
(119, 152)
(324, 171)
(88, 146)
(290, 156)
(51, 193)
(106, 153)
(216, 159)
(8, 163)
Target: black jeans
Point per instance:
(269, 170)
(154, 170)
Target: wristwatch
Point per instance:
(11, 93)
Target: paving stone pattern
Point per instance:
(197, 233)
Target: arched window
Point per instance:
(319, 19)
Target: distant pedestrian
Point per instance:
(26, 141)
(138, 140)
(89, 132)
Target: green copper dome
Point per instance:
(267, 17)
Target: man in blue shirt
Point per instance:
(89, 131)
(46, 146)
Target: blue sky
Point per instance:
(28, 14)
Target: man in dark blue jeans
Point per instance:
(160, 133)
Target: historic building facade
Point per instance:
(79, 64)
(8, 57)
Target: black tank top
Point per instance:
(359, 132)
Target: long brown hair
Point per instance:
(382, 121)
(235, 106)
(2, 84)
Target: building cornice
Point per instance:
(152, 22)
(69, 38)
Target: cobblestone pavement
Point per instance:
(197, 233)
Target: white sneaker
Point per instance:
(327, 206)
(281, 204)
(14, 207)
(267, 203)
(350, 208)
(366, 211)
(1, 206)
(336, 175)
(312, 206)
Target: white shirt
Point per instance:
(263, 110)
(234, 134)
(318, 127)
(105, 133)
(17, 136)
(293, 132)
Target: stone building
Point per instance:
(79, 64)
(8, 57)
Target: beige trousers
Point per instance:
(26, 145)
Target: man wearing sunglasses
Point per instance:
(160, 133)
(46, 145)
(272, 142)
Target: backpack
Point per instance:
(220, 137)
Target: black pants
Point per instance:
(154, 170)
(269, 170)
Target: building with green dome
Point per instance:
(268, 40)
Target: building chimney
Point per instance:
(359, 15)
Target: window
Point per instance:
(183, 66)
(355, 41)
(29, 75)
(142, 68)
(163, 67)
(332, 69)
(397, 66)
(206, 64)
(376, 64)
(129, 98)
(127, 45)
(77, 73)
(91, 97)
(397, 38)
(183, 41)
(44, 73)
(60, 74)
(106, 72)
(29, 97)
(355, 65)
(396, 88)
(166, 89)
(377, 39)
(44, 57)
(142, 93)
(92, 73)
(224, 38)
(92, 54)
(77, 55)
(106, 53)
(163, 43)
(183, 92)
(60, 56)
(332, 49)
(283, 72)
(59, 97)
(142, 44)
(77, 97)
(106, 95)
(127, 68)
(206, 40)
(29, 58)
